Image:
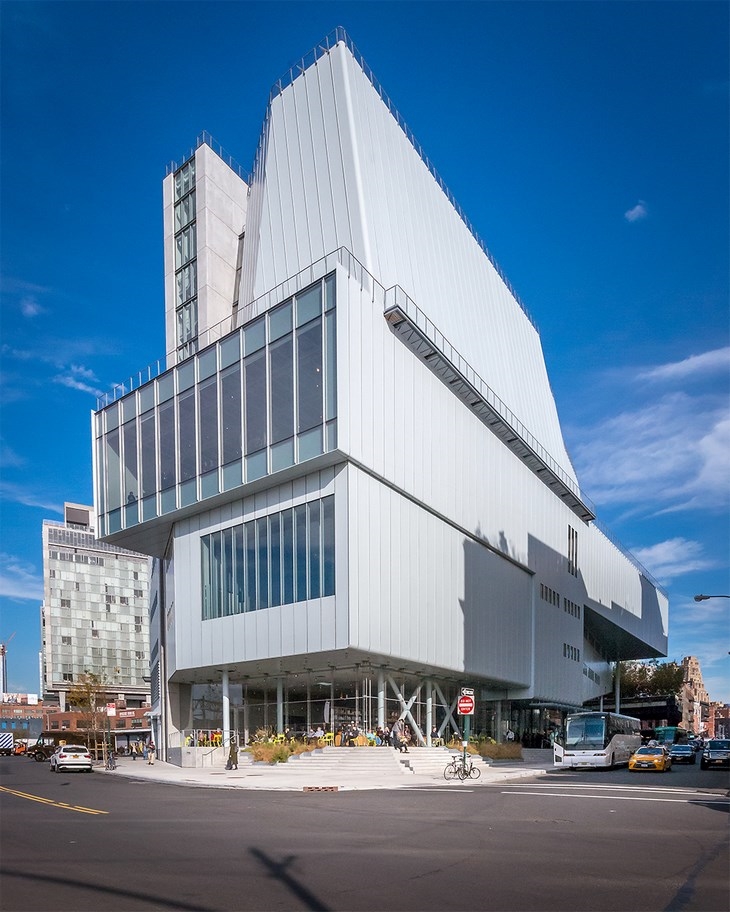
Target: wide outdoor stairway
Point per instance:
(332, 766)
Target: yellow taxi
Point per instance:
(655, 759)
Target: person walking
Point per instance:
(233, 756)
(151, 753)
(133, 750)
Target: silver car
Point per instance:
(71, 756)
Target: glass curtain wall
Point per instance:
(261, 400)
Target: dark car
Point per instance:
(682, 753)
(715, 753)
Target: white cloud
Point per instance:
(11, 493)
(696, 365)
(637, 212)
(72, 383)
(670, 454)
(30, 307)
(674, 557)
(19, 580)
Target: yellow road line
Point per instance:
(58, 804)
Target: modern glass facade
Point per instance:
(259, 400)
(274, 560)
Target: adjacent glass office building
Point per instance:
(349, 467)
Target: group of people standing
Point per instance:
(146, 750)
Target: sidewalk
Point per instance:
(334, 769)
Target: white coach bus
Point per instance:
(600, 739)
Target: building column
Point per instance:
(381, 698)
(226, 709)
(279, 706)
(617, 688)
(429, 712)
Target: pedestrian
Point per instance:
(133, 750)
(151, 753)
(232, 756)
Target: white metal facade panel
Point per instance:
(388, 209)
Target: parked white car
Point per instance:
(71, 756)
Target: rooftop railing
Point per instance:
(205, 139)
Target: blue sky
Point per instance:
(586, 142)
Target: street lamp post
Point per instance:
(703, 598)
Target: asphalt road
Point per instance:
(567, 841)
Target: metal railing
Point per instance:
(205, 139)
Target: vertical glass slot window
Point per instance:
(131, 480)
(309, 376)
(331, 372)
(186, 279)
(185, 246)
(330, 286)
(166, 430)
(185, 179)
(263, 562)
(187, 321)
(250, 531)
(231, 413)
(184, 211)
(282, 389)
(255, 398)
(287, 530)
(149, 460)
(240, 574)
(186, 413)
(275, 555)
(300, 535)
(208, 396)
(328, 546)
(113, 465)
(228, 568)
(314, 549)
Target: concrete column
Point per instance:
(226, 709)
(617, 688)
(279, 706)
(381, 698)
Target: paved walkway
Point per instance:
(337, 769)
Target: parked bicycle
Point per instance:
(461, 768)
(111, 761)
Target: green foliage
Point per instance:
(651, 678)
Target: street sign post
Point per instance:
(465, 707)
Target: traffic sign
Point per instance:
(466, 705)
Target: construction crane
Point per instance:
(4, 664)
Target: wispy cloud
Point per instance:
(12, 493)
(674, 557)
(30, 307)
(684, 439)
(19, 580)
(637, 212)
(682, 433)
(77, 377)
(9, 459)
(711, 362)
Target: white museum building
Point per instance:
(350, 467)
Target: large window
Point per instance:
(278, 559)
(261, 400)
